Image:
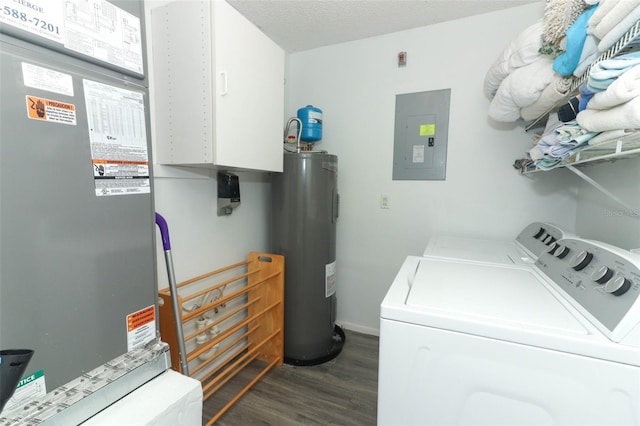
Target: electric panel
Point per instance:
(421, 134)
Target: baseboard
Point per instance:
(359, 328)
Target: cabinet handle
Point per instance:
(225, 90)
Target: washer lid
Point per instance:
(505, 296)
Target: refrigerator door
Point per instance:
(77, 251)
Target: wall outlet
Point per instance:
(384, 202)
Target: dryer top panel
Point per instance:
(489, 293)
(480, 250)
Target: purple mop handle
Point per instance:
(164, 231)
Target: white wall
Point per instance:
(355, 84)
(600, 218)
(200, 240)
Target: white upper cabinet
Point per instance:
(219, 88)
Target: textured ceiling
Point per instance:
(306, 24)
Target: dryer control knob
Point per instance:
(602, 275)
(552, 248)
(539, 233)
(618, 286)
(561, 251)
(581, 260)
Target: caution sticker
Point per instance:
(51, 111)
(30, 388)
(141, 327)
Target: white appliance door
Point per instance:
(430, 376)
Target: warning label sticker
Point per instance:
(330, 278)
(29, 388)
(51, 111)
(118, 136)
(141, 327)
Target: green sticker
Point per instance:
(30, 378)
(427, 129)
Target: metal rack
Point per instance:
(243, 304)
(625, 147)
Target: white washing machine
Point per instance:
(472, 343)
(524, 250)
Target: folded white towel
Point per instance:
(521, 51)
(550, 96)
(622, 90)
(614, 13)
(625, 116)
(611, 37)
(520, 89)
(603, 9)
(527, 83)
(502, 108)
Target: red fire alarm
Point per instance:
(402, 59)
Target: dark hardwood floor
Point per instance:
(342, 391)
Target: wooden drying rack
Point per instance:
(256, 318)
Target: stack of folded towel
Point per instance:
(597, 29)
(525, 84)
(610, 111)
(574, 45)
(536, 70)
(594, 32)
(521, 83)
(612, 19)
(616, 105)
(559, 15)
(520, 52)
(559, 144)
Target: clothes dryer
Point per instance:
(466, 342)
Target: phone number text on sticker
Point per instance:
(29, 17)
(51, 111)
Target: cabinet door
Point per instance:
(182, 93)
(219, 88)
(249, 98)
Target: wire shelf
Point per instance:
(624, 147)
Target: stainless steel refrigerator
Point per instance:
(304, 214)
(77, 230)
